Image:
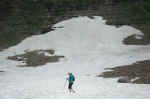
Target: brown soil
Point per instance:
(36, 58)
(139, 69)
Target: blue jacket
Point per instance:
(71, 79)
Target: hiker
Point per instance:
(71, 80)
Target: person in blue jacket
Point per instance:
(71, 80)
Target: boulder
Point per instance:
(125, 79)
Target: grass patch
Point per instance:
(36, 58)
(139, 69)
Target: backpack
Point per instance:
(73, 78)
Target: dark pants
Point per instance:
(70, 85)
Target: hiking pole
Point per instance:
(65, 83)
(63, 89)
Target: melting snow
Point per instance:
(89, 46)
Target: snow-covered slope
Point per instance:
(89, 46)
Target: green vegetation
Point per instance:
(22, 18)
(21, 21)
(140, 12)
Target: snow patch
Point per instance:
(89, 46)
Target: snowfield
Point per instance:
(89, 46)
